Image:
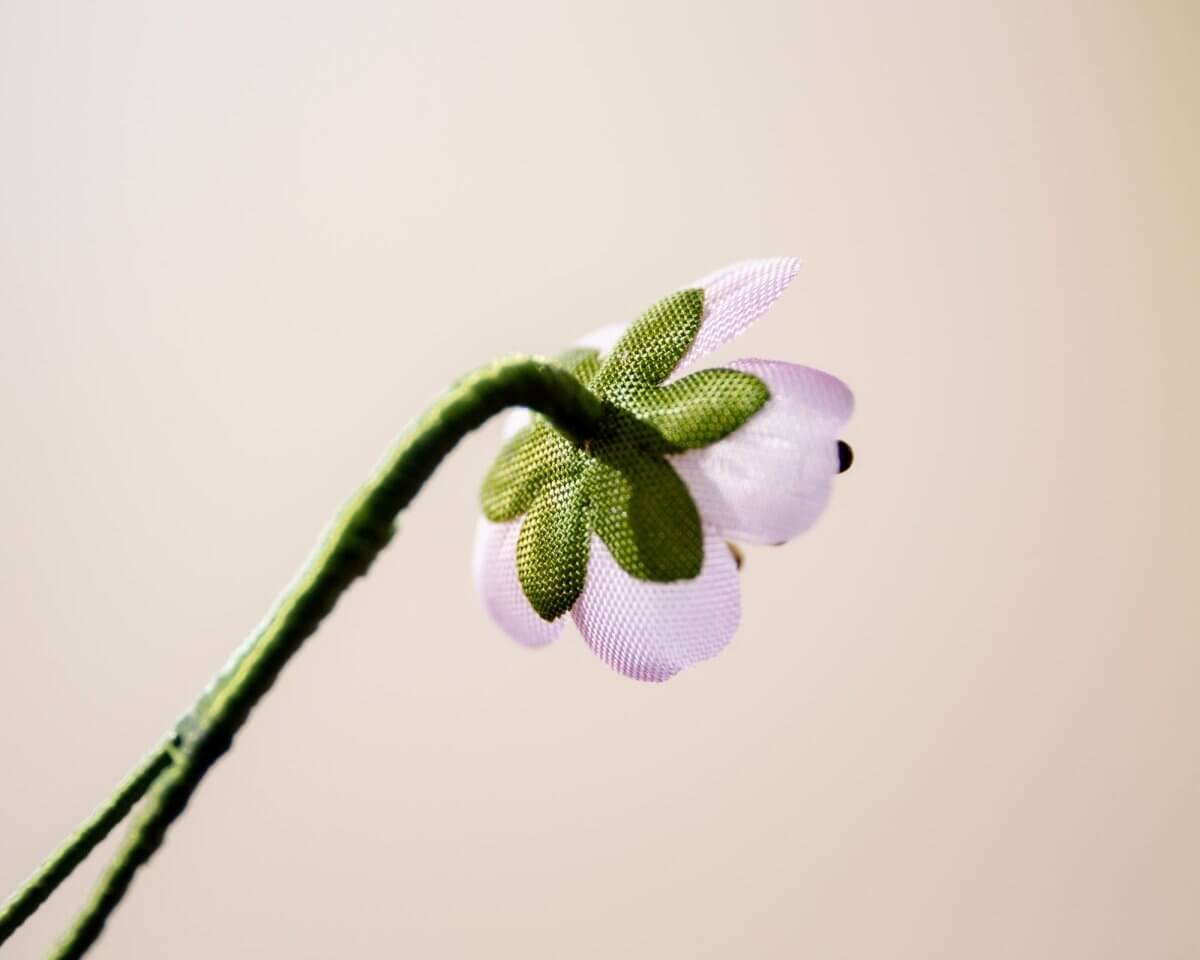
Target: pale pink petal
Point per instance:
(770, 479)
(734, 297)
(603, 339)
(516, 420)
(495, 567)
(651, 631)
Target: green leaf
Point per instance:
(526, 463)
(652, 346)
(582, 362)
(552, 547)
(700, 409)
(642, 510)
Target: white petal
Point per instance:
(770, 479)
(603, 339)
(734, 297)
(651, 631)
(516, 420)
(495, 567)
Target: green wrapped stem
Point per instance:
(58, 866)
(360, 532)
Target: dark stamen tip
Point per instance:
(845, 456)
(734, 549)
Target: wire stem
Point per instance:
(345, 552)
(57, 867)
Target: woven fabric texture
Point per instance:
(628, 531)
(638, 631)
(769, 481)
(619, 485)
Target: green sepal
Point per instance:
(642, 510)
(652, 346)
(619, 486)
(701, 408)
(581, 362)
(534, 454)
(524, 465)
(552, 547)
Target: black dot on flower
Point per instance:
(845, 456)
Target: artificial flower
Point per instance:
(632, 532)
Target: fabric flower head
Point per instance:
(630, 533)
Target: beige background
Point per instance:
(241, 244)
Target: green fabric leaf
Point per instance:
(528, 461)
(581, 362)
(532, 456)
(552, 547)
(642, 510)
(652, 346)
(701, 408)
(619, 486)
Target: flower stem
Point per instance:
(32, 894)
(360, 532)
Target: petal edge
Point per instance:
(494, 564)
(769, 480)
(734, 297)
(651, 631)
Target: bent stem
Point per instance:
(346, 551)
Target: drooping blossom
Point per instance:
(632, 532)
